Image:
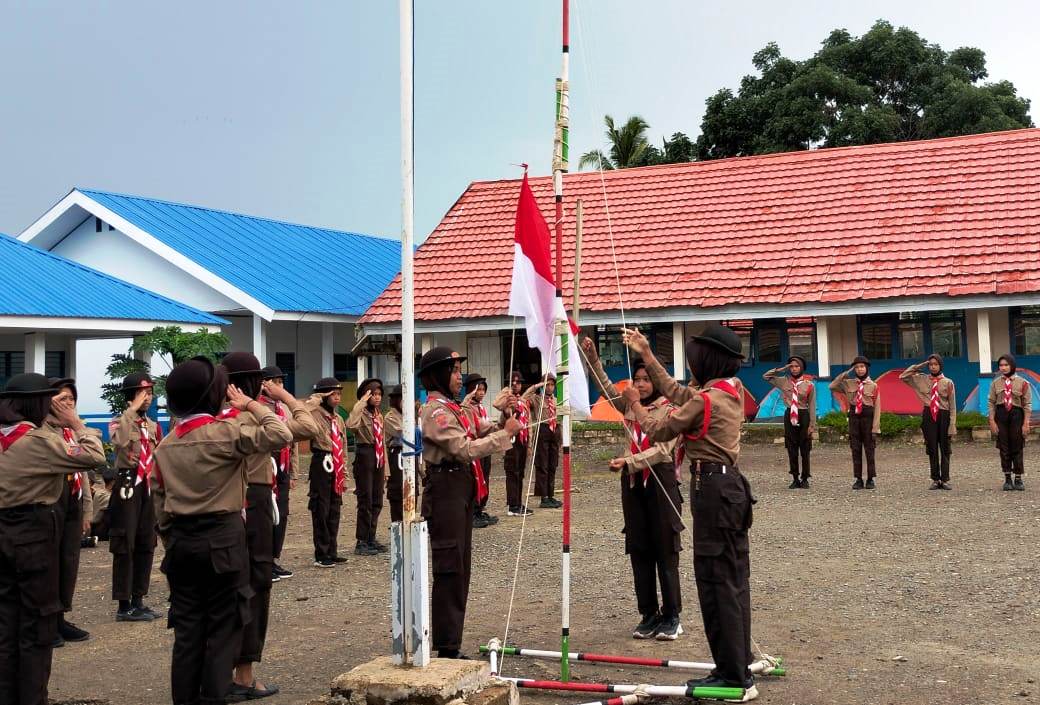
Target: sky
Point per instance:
(290, 110)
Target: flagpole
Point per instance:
(560, 166)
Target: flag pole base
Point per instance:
(440, 681)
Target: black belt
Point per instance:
(852, 410)
(188, 519)
(319, 451)
(22, 509)
(364, 445)
(443, 467)
(705, 468)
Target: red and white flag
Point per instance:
(533, 296)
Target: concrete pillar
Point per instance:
(362, 368)
(679, 350)
(327, 346)
(425, 343)
(985, 343)
(70, 356)
(36, 353)
(260, 339)
(823, 347)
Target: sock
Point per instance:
(1007, 477)
(124, 605)
(137, 601)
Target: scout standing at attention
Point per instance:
(799, 395)
(393, 422)
(475, 386)
(286, 460)
(512, 401)
(199, 485)
(938, 417)
(131, 516)
(452, 450)
(366, 421)
(653, 524)
(547, 447)
(1010, 406)
(76, 507)
(34, 461)
(709, 419)
(328, 471)
(864, 399)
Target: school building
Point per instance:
(892, 251)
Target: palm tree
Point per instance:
(627, 145)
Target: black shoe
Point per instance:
(805, 483)
(521, 511)
(68, 631)
(239, 693)
(338, 559)
(88, 542)
(870, 484)
(796, 484)
(858, 484)
(945, 486)
(58, 642)
(283, 573)
(1008, 484)
(378, 547)
(1020, 484)
(148, 610)
(134, 614)
(363, 548)
(648, 627)
(323, 563)
(491, 520)
(550, 503)
(453, 654)
(936, 485)
(668, 629)
(479, 522)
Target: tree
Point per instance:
(629, 147)
(889, 85)
(170, 342)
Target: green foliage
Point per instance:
(971, 419)
(896, 424)
(630, 147)
(836, 420)
(120, 367)
(888, 85)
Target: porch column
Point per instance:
(425, 343)
(823, 347)
(362, 368)
(985, 344)
(327, 346)
(70, 357)
(679, 350)
(260, 339)
(36, 353)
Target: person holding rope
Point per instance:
(799, 396)
(709, 419)
(512, 401)
(863, 396)
(1010, 406)
(938, 415)
(452, 446)
(547, 448)
(650, 502)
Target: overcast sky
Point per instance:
(289, 110)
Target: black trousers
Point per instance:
(798, 442)
(653, 538)
(515, 464)
(862, 441)
(283, 514)
(394, 491)
(260, 542)
(937, 443)
(29, 602)
(546, 461)
(325, 506)
(448, 499)
(722, 515)
(131, 538)
(1010, 441)
(485, 469)
(70, 528)
(368, 487)
(207, 568)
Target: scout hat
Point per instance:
(471, 381)
(137, 380)
(327, 384)
(721, 337)
(241, 363)
(28, 384)
(438, 356)
(272, 372)
(370, 383)
(195, 386)
(858, 359)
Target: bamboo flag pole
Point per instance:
(578, 215)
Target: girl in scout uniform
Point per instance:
(799, 397)
(327, 477)
(1010, 406)
(938, 415)
(369, 429)
(864, 400)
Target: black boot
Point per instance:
(1008, 485)
(858, 484)
(796, 484)
(1020, 484)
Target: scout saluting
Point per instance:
(454, 484)
(653, 525)
(327, 477)
(131, 516)
(76, 507)
(287, 462)
(864, 399)
(547, 448)
(366, 421)
(475, 387)
(199, 484)
(1010, 406)
(34, 461)
(393, 422)
(709, 418)
(512, 403)
(799, 397)
(938, 417)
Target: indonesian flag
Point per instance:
(533, 296)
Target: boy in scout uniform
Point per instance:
(328, 471)
(799, 397)
(452, 448)
(131, 534)
(286, 460)
(475, 388)
(34, 462)
(547, 448)
(864, 399)
(1010, 406)
(938, 415)
(709, 419)
(394, 422)
(366, 422)
(199, 480)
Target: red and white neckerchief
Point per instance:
(551, 406)
(523, 415)
(859, 395)
(228, 413)
(145, 457)
(77, 481)
(467, 426)
(285, 454)
(10, 434)
(377, 439)
(794, 400)
(729, 386)
(934, 403)
(189, 423)
(637, 443)
(1007, 393)
(339, 463)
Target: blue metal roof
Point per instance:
(40, 283)
(296, 260)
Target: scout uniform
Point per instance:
(477, 412)
(34, 462)
(515, 461)
(1010, 405)
(864, 399)
(454, 483)
(653, 529)
(101, 494)
(938, 417)
(547, 448)
(131, 534)
(327, 475)
(199, 483)
(393, 424)
(369, 469)
(710, 418)
(799, 395)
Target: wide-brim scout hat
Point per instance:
(799, 358)
(190, 386)
(440, 355)
(272, 372)
(721, 337)
(241, 363)
(60, 383)
(28, 384)
(370, 383)
(858, 359)
(137, 380)
(327, 384)
(472, 380)
(395, 391)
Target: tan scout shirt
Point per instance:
(360, 422)
(300, 423)
(445, 440)
(721, 444)
(202, 471)
(324, 420)
(501, 401)
(126, 439)
(922, 386)
(871, 395)
(393, 425)
(33, 469)
(1021, 395)
(87, 501)
(806, 392)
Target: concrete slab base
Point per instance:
(443, 682)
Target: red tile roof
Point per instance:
(954, 216)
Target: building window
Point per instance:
(1025, 330)
(611, 349)
(11, 364)
(876, 340)
(769, 345)
(946, 338)
(801, 338)
(911, 337)
(344, 367)
(54, 363)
